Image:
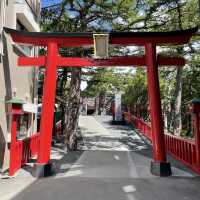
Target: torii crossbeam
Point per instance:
(53, 41)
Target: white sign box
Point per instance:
(29, 107)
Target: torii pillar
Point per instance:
(159, 166)
(43, 167)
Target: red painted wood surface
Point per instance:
(113, 61)
(15, 149)
(34, 144)
(181, 149)
(159, 153)
(48, 99)
(196, 121)
(22, 151)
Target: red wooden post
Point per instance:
(195, 109)
(197, 137)
(159, 166)
(15, 147)
(13, 155)
(43, 168)
(14, 129)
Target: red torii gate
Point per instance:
(53, 41)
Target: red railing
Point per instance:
(15, 157)
(180, 148)
(22, 151)
(142, 126)
(34, 145)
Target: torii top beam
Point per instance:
(81, 39)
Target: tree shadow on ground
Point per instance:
(140, 145)
(66, 162)
(148, 152)
(140, 149)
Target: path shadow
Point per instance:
(148, 153)
(108, 124)
(65, 164)
(140, 145)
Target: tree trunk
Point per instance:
(72, 111)
(176, 122)
(63, 105)
(176, 117)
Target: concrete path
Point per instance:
(112, 163)
(99, 134)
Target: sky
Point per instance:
(45, 3)
(49, 2)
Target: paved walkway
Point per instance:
(112, 163)
(100, 134)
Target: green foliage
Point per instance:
(106, 80)
(136, 89)
(132, 15)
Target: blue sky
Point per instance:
(49, 2)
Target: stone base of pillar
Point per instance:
(161, 168)
(43, 170)
(118, 122)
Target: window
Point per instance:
(27, 49)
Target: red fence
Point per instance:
(180, 148)
(15, 157)
(34, 145)
(140, 124)
(22, 151)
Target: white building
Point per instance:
(14, 81)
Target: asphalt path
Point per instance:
(112, 163)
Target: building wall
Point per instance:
(14, 81)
